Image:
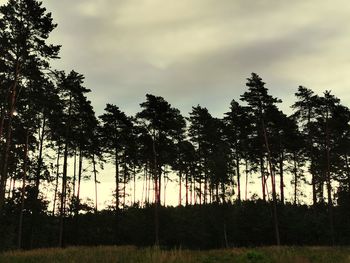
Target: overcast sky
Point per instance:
(201, 51)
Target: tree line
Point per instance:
(47, 124)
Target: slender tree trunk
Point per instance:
(159, 184)
(347, 169)
(57, 177)
(165, 185)
(144, 187)
(157, 193)
(95, 180)
(217, 192)
(295, 178)
(272, 175)
(329, 185)
(223, 192)
(14, 179)
(40, 157)
(2, 121)
(10, 185)
(186, 185)
(238, 179)
(64, 176)
(191, 192)
(63, 195)
(74, 171)
(5, 156)
(194, 192)
(180, 187)
(246, 179)
(205, 192)
(134, 188)
(282, 178)
(313, 179)
(124, 181)
(262, 173)
(116, 180)
(211, 194)
(20, 224)
(80, 170)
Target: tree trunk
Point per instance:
(64, 176)
(205, 186)
(116, 181)
(134, 188)
(157, 193)
(295, 178)
(80, 170)
(95, 180)
(124, 181)
(262, 173)
(20, 224)
(63, 195)
(57, 177)
(2, 121)
(74, 171)
(40, 157)
(272, 175)
(281, 176)
(5, 156)
(246, 179)
(347, 169)
(238, 179)
(180, 187)
(159, 184)
(329, 185)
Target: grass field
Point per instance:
(154, 255)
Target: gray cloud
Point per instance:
(202, 51)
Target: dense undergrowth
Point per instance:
(248, 224)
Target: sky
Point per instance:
(201, 51)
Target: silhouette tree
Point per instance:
(25, 27)
(164, 124)
(260, 102)
(71, 91)
(238, 130)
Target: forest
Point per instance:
(51, 140)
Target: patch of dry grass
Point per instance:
(130, 254)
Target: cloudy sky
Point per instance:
(201, 51)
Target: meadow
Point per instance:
(129, 254)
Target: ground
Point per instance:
(155, 255)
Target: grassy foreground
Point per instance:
(154, 255)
